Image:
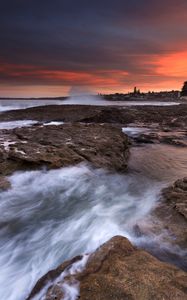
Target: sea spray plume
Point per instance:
(83, 95)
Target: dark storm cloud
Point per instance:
(87, 36)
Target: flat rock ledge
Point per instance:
(172, 116)
(117, 271)
(104, 146)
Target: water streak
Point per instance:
(50, 216)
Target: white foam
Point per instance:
(6, 144)
(6, 105)
(135, 131)
(17, 124)
(56, 123)
(70, 289)
(20, 151)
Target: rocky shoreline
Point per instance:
(166, 116)
(118, 270)
(93, 135)
(170, 122)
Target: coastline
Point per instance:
(67, 135)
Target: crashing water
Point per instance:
(17, 124)
(26, 123)
(50, 216)
(6, 105)
(96, 100)
(70, 290)
(135, 131)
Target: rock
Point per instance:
(51, 276)
(144, 139)
(4, 183)
(59, 146)
(118, 271)
(170, 216)
(165, 116)
(176, 197)
(169, 137)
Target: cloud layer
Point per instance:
(106, 45)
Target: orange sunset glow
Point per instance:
(120, 50)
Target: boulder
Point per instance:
(117, 271)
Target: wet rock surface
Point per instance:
(172, 212)
(58, 146)
(166, 137)
(118, 270)
(173, 116)
(176, 196)
(168, 221)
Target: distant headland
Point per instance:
(136, 94)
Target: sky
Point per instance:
(48, 48)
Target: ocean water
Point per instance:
(17, 124)
(50, 216)
(6, 105)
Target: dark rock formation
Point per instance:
(171, 138)
(170, 216)
(59, 146)
(118, 270)
(172, 116)
(172, 212)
